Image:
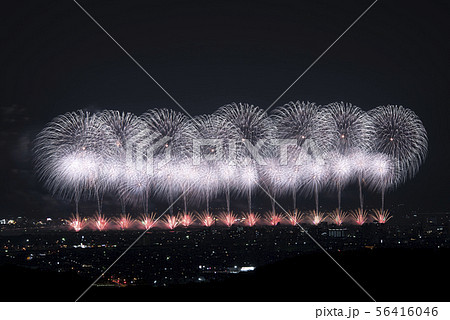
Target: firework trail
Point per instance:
(227, 219)
(135, 187)
(101, 222)
(253, 129)
(294, 176)
(360, 161)
(166, 183)
(186, 219)
(125, 221)
(248, 181)
(214, 149)
(294, 217)
(148, 220)
(273, 177)
(337, 217)
(187, 176)
(114, 180)
(208, 183)
(273, 218)
(206, 219)
(76, 222)
(250, 219)
(316, 177)
(292, 173)
(316, 217)
(170, 221)
(381, 216)
(359, 216)
(341, 173)
(382, 174)
(74, 172)
(228, 174)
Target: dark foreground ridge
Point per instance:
(387, 274)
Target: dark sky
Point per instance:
(54, 59)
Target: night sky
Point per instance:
(54, 59)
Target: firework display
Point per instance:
(316, 217)
(186, 219)
(124, 221)
(227, 220)
(400, 134)
(170, 222)
(75, 222)
(294, 217)
(250, 219)
(147, 220)
(337, 217)
(206, 219)
(300, 150)
(100, 222)
(381, 216)
(359, 216)
(273, 218)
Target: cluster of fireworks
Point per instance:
(300, 150)
(183, 220)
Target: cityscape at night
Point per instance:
(167, 259)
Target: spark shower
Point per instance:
(300, 149)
